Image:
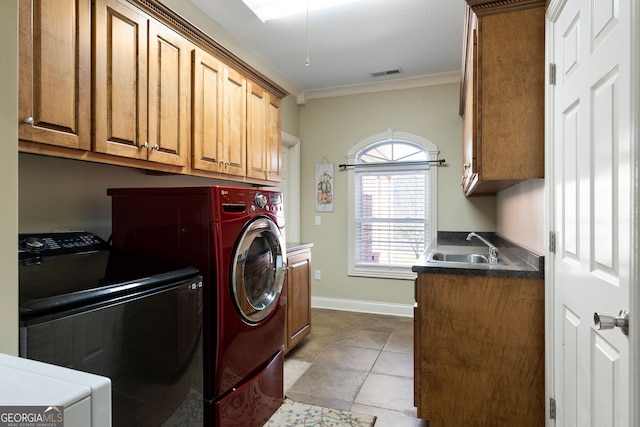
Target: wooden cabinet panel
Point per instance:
(169, 95)
(206, 111)
(219, 116)
(274, 140)
(503, 95)
(298, 282)
(120, 80)
(55, 72)
(480, 340)
(234, 123)
(142, 86)
(264, 136)
(256, 131)
(469, 95)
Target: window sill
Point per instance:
(396, 273)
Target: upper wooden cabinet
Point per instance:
(142, 86)
(263, 134)
(233, 145)
(502, 94)
(218, 116)
(55, 72)
(131, 83)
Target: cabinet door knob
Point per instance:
(144, 145)
(28, 120)
(155, 147)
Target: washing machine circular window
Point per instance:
(258, 270)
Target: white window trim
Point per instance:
(432, 154)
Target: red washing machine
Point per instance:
(235, 237)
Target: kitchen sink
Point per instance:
(461, 258)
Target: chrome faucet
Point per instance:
(493, 251)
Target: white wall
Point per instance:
(9, 178)
(60, 194)
(521, 215)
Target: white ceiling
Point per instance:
(349, 42)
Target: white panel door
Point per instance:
(592, 215)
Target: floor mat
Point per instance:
(295, 414)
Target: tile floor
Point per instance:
(356, 361)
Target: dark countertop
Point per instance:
(292, 246)
(515, 261)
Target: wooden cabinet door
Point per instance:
(298, 297)
(273, 147)
(418, 283)
(169, 88)
(256, 131)
(469, 95)
(263, 134)
(503, 95)
(480, 341)
(206, 112)
(233, 145)
(120, 80)
(55, 72)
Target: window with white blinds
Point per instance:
(391, 218)
(393, 206)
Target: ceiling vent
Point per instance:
(387, 72)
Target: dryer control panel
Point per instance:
(246, 201)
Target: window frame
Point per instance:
(388, 272)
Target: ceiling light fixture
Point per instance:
(274, 9)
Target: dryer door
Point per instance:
(258, 269)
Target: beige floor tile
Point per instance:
(348, 357)
(308, 350)
(387, 392)
(293, 370)
(364, 338)
(397, 364)
(320, 401)
(400, 341)
(331, 383)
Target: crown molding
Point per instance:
(408, 83)
(203, 40)
(490, 7)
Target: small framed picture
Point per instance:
(324, 187)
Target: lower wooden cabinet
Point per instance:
(479, 350)
(298, 292)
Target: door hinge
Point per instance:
(552, 408)
(552, 73)
(552, 242)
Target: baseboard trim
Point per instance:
(374, 307)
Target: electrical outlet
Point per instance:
(317, 274)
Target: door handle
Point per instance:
(607, 321)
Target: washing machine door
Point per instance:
(258, 269)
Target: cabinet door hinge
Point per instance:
(552, 242)
(552, 408)
(552, 73)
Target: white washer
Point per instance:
(86, 398)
